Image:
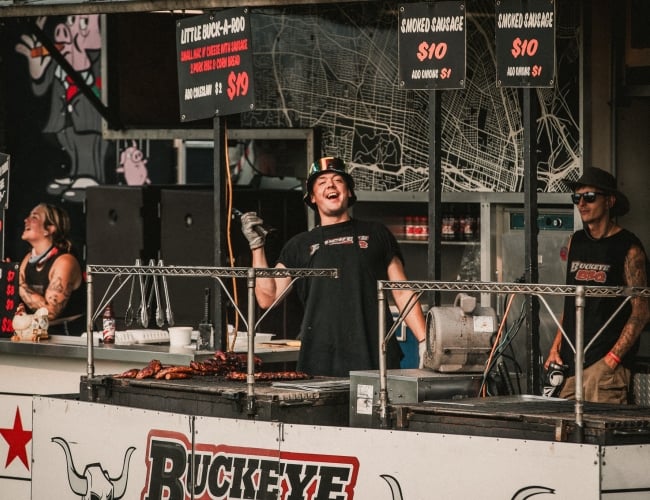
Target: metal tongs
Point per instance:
(129, 315)
(160, 318)
(168, 305)
(142, 310)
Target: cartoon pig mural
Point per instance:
(72, 118)
(133, 165)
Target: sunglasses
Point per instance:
(589, 196)
(327, 163)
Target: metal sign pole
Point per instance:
(580, 354)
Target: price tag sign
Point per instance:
(525, 43)
(431, 38)
(215, 64)
(9, 297)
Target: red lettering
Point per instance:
(213, 50)
(7, 326)
(591, 275)
(186, 55)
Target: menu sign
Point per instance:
(9, 298)
(525, 43)
(432, 45)
(215, 64)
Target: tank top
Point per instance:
(598, 263)
(71, 320)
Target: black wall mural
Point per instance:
(54, 133)
(335, 68)
(332, 68)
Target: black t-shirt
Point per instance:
(339, 331)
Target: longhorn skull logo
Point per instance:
(95, 483)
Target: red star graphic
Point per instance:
(17, 439)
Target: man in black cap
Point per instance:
(339, 330)
(602, 254)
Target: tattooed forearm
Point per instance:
(57, 295)
(31, 299)
(629, 336)
(635, 276)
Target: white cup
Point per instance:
(180, 336)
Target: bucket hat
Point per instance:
(600, 179)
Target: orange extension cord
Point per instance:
(231, 256)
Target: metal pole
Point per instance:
(89, 324)
(533, 363)
(580, 342)
(434, 271)
(383, 376)
(220, 336)
(250, 372)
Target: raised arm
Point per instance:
(267, 289)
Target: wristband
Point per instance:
(614, 357)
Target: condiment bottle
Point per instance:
(448, 225)
(409, 227)
(423, 228)
(108, 325)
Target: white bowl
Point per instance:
(180, 335)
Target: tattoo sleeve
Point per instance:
(635, 276)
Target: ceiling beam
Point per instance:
(27, 8)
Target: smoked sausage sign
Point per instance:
(215, 64)
(525, 43)
(432, 45)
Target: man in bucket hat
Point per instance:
(602, 254)
(339, 330)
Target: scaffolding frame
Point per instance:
(531, 290)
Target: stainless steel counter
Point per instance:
(137, 353)
(49, 367)
(142, 353)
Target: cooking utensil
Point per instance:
(205, 327)
(129, 314)
(160, 318)
(168, 304)
(142, 310)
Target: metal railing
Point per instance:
(122, 275)
(537, 290)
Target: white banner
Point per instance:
(116, 452)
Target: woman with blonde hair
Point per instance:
(50, 275)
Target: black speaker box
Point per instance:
(187, 239)
(122, 225)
